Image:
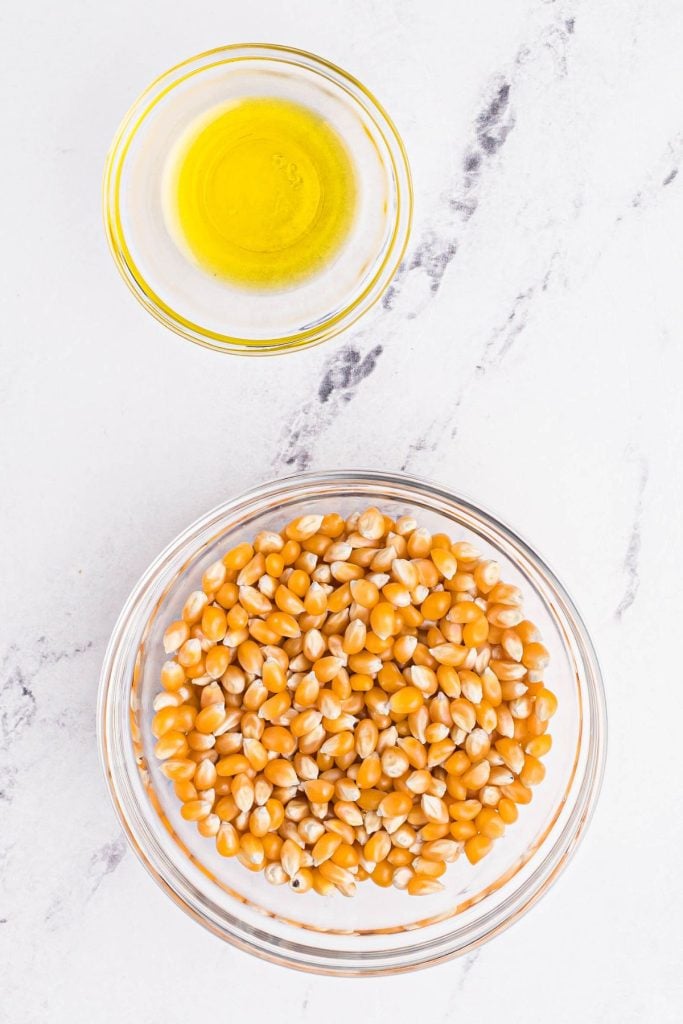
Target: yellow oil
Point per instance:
(261, 193)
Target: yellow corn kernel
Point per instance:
(369, 772)
(303, 527)
(435, 605)
(406, 700)
(283, 624)
(383, 619)
(539, 746)
(338, 744)
(298, 583)
(214, 577)
(327, 668)
(164, 721)
(517, 792)
(233, 764)
(395, 805)
(346, 856)
(489, 823)
(190, 653)
(462, 830)
(238, 617)
(399, 857)
(287, 601)
(172, 744)
(477, 847)
(195, 810)
(272, 845)
(281, 773)
(449, 654)
(365, 663)
(429, 868)
(545, 705)
(475, 633)
(507, 810)
(319, 791)
(252, 848)
(364, 592)
(179, 769)
(533, 771)
(390, 678)
(377, 847)
(238, 557)
(214, 623)
(172, 676)
(422, 885)
(274, 707)
(276, 812)
(275, 564)
(315, 600)
(227, 840)
(255, 753)
(383, 874)
(259, 823)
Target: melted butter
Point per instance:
(261, 193)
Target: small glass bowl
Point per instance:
(216, 313)
(379, 931)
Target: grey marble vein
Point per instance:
(429, 260)
(470, 963)
(8, 781)
(431, 257)
(346, 371)
(104, 861)
(426, 443)
(5, 852)
(663, 173)
(19, 705)
(343, 372)
(53, 914)
(19, 669)
(496, 347)
(306, 1000)
(631, 564)
(438, 245)
(504, 336)
(467, 964)
(554, 38)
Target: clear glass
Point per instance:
(380, 930)
(212, 312)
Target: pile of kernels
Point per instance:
(353, 699)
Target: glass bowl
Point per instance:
(379, 931)
(212, 312)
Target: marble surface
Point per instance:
(529, 353)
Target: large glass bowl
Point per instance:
(200, 306)
(380, 930)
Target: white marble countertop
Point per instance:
(530, 355)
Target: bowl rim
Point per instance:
(383, 272)
(552, 862)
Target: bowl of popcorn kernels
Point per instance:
(352, 723)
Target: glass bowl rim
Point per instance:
(383, 272)
(552, 862)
